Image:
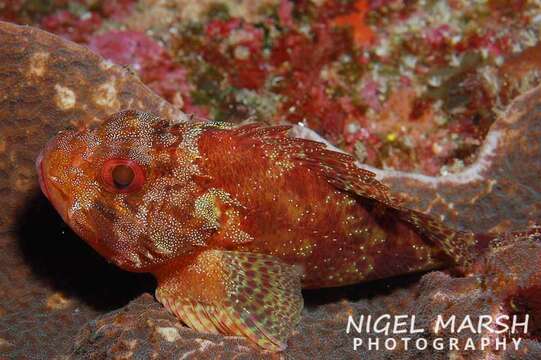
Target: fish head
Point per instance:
(112, 185)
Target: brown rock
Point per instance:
(501, 191)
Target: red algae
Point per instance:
(340, 67)
(72, 27)
(362, 34)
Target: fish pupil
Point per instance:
(123, 176)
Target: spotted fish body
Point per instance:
(234, 221)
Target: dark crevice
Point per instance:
(64, 262)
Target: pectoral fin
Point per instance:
(236, 293)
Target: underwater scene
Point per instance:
(270, 179)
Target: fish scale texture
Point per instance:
(58, 299)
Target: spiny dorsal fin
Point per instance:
(338, 168)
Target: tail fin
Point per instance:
(462, 247)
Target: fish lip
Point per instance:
(56, 196)
(41, 176)
(40, 168)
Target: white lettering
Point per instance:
(351, 323)
(438, 343)
(501, 344)
(485, 342)
(385, 328)
(484, 323)
(520, 324)
(470, 345)
(398, 323)
(466, 324)
(419, 341)
(413, 330)
(440, 324)
(502, 324)
(373, 342)
(406, 342)
(390, 341)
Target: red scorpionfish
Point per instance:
(234, 221)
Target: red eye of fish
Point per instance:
(122, 176)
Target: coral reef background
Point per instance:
(406, 86)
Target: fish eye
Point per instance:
(122, 176)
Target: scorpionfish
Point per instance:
(235, 221)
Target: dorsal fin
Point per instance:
(338, 168)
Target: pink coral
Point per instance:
(148, 58)
(436, 37)
(70, 26)
(285, 13)
(370, 95)
(243, 59)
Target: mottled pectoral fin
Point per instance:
(235, 293)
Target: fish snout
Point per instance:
(41, 175)
(48, 167)
(40, 166)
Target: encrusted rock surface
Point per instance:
(143, 330)
(51, 283)
(46, 85)
(502, 285)
(499, 192)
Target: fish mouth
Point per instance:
(39, 170)
(61, 200)
(56, 196)
(54, 193)
(51, 164)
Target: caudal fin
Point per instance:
(462, 247)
